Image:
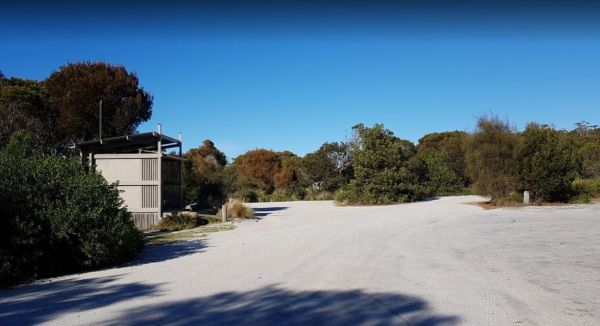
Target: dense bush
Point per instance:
(330, 167)
(490, 162)
(433, 176)
(546, 163)
(590, 156)
(588, 187)
(205, 178)
(56, 217)
(376, 167)
(312, 193)
(380, 174)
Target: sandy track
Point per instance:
(433, 263)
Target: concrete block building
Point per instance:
(149, 179)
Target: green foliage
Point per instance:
(434, 175)
(23, 107)
(589, 187)
(450, 146)
(439, 167)
(64, 108)
(580, 199)
(56, 217)
(329, 167)
(311, 193)
(75, 90)
(547, 163)
(205, 176)
(489, 156)
(380, 173)
(590, 159)
(247, 195)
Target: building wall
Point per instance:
(126, 170)
(139, 183)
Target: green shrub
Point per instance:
(178, 221)
(489, 156)
(380, 168)
(58, 218)
(247, 195)
(581, 199)
(351, 194)
(588, 187)
(312, 193)
(546, 163)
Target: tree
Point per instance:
(76, 89)
(204, 176)
(329, 167)
(439, 166)
(258, 168)
(490, 162)
(292, 176)
(451, 148)
(379, 159)
(547, 163)
(590, 156)
(23, 108)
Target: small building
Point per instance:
(148, 178)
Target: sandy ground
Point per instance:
(432, 263)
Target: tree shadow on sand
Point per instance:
(37, 303)
(264, 211)
(274, 305)
(161, 252)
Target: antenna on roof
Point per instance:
(159, 128)
(100, 123)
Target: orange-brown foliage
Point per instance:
(259, 167)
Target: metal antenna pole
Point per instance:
(100, 124)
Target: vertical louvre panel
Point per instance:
(149, 196)
(145, 221)
(149, 169)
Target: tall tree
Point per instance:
(76, 89)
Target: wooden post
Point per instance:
(224, 213)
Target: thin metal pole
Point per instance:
(100, 124)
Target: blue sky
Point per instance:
(292, 77)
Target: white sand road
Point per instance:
(440, 262)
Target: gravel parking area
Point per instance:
(440, 262)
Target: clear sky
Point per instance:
(292, 75)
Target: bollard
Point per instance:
(224, 213)
(526, 197)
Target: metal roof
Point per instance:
(147, 141)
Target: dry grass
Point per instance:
(237, 209)
(199, 232)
